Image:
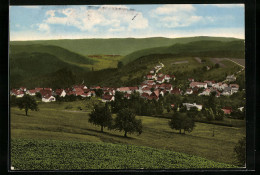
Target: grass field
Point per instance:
(73, 155)
(55, 122)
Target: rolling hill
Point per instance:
(61, 53)
(217, 49)
(118, 46)
(32, 65)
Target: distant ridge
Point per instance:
(118, 46)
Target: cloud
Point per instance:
(170, 9)
(31, 7)
(43, 27)
(173, 16)
(86, 18)
(225, 5)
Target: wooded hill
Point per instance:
(117, 46)
(52, 66)
(215, 49)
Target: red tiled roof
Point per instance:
(175, 91)
(123, 89)
(107, 97)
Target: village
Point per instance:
(154, 86)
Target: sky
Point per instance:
(123, 21)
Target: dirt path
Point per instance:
(198, 59)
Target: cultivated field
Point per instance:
(55, 122)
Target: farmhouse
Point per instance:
(234, 87)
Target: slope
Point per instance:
(27, 154)
(118, 46)
(217, 49)
(61, 53)
(26, 69)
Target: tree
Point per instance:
(240, 150)
(101, 116)
(38, 95)
(27, 102)
(126, 121)
(181, 121)
(119, 64)
(219, 114)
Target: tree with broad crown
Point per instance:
(101, 116)
(126, 121)
(181, 121)
(27, 102)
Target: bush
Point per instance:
(240, 150)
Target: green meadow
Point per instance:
(61, 126)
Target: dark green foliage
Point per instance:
(238, 114)
(231, 49)
(181, 121)
(13, 100)
(216, 65)
(38, 95)
(119, 64)
(99, 92)
(240, 150)
(219, 114)
(126, 121)
(101, 116)
(28, 154)
(27, 102)
(209, 114)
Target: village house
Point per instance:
(38, 89)
(124, 90)
(31, 92)
(22, 89)
(227, 110)
(231, 78)
(189, 91)
(205, 92)
(60, 92)
(48, 98)
(219, 85)
(227, 91)
(198, 84)
(147, 90)
(160, 80)
(234, 87)
(152, 71)
(209, 83)
(108, 98)
(176, 91)
(190, 105)
(190, 79)
(18, 93)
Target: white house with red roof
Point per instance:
(18, 93)
(190, 105)
(108, 98)
(23, 89)
(198, 84)
(60, 92)
(48, 98)
(189, 91)
(31, 92)
(205, 92)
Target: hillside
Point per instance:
(118, 46)
(61, 53)
(215, 49)
(55, 121)
(68, 155)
